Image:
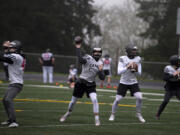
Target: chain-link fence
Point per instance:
(150, 70)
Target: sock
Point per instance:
(93, 97)
(116, 102)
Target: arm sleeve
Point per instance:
(168, 75)
(101, 75)
(139, 69)
(169, 78)
(6, 59)
(121, 67)
(80, 56)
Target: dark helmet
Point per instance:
(106, 56)
(175, 60)
(97, 56)
(78, 40)
(48, 50)
(131, 51)
(16, 45)
(72, 66)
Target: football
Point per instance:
(134, 67)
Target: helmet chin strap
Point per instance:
(131, 56)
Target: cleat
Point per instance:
(97, 123)
(139, 116)
(112, 117)
(13, 125)
(101, 86)
(5, 123)
(108, 86)
(157, 117)
(64, 117)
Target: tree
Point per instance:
(161, 17)
(42, 24)
(119, 27)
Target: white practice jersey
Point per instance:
(128, 77)
(72, 72)
(107, 63)
(47, 59)
(90, 69)
(170, 70)
(16, 70)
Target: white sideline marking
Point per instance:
(102, 90)
(76, 125)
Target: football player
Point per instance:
(5, 43)
(72, 76)
(172, 85)
(129, 67)
(15, 67)
(86, 82)
(47, 61)
(107, 70)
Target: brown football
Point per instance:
(134, 67)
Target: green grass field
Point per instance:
(38, 110)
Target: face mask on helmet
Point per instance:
(131, 51)
(15, 47)
(97, 53)
(106, 56)
(175, 60)
(72, 66)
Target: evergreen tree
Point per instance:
(161, 16)
(42, 24)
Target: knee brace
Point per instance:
(138, 95)
(118, 98)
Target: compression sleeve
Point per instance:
(6, 59)
(80, 56)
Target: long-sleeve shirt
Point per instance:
(90, 67)
(171, 81)
(128, 77)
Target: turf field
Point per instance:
(39, 107)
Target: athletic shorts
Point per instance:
(122, 89)
(82, 86)
(107, 72)
(71, 80)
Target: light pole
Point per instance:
(178, 28)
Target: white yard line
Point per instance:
(82, 125)
(101, 90)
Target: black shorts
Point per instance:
(107, 72)
(71, 80)
(82, 86)
(122, 89)
(172, 91)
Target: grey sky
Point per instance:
(108, 2)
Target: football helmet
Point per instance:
(16, 45)
(48, 50)
(72, 66)
(106, 56)
(131, 51)
(97, 53)
(175, 60)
